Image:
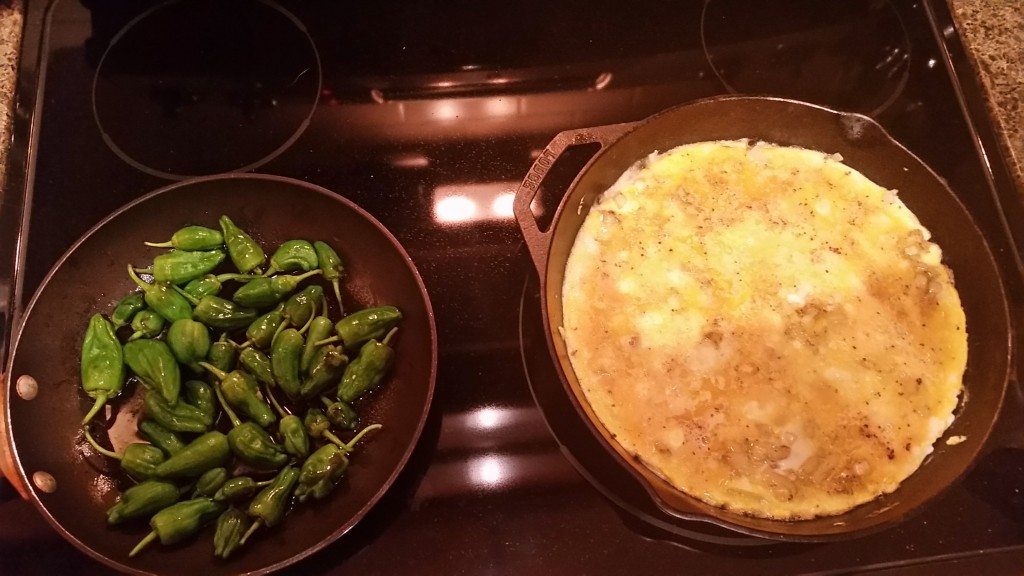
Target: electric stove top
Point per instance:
(428, 114)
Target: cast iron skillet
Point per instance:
(44, 435)
(865, 146)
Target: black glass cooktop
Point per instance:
(428, 114)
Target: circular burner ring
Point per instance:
(896, 62)
(127, 158)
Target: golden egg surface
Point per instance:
(764, 327)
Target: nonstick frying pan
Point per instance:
(43, 447)
(866, 147)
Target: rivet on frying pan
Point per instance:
(44, 481)
(27, 387)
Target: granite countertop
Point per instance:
(992, 31)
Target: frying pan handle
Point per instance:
(6, 458)
(537, 240)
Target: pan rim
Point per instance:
(384, 487)
(595, 428)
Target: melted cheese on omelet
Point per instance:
(764, 327)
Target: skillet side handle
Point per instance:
(7, 466)
(538, 241)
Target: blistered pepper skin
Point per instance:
(370, 324)
(189, 341)
(208, 451)
(154, 363)
(126, 309)
(143, 499)
(192, 238)
(102, 368)
(182, 266)
(245, 253)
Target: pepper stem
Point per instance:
(101, 400)
(189, 297)
(305, 275)
(323, 307)
(330, 436)
(237, 277)
(249, 532)
(352, 443)
(160, 244)
(280, 329)
(146, 286)
(235, 420)
(97, 447)
(312, 314)
(330, 340)
(267, 482)
(145, 542)
(135, 336)
(245, 345)
(220, 374)
(274, 402)
(387, 339)
(337, 294)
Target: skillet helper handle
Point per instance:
(6, 456)
(538, 241)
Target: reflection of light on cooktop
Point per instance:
(463, 203)
(191, 87)
(851, 55)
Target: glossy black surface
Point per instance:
(429, 115)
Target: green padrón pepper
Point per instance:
(181, 266)
(210, 482)
(285, 354)
(139, 460)
(301, 306)
(245, 253)
(332, 267)
(371, 324)
(189, 341)
(271, 504)
(223, 354)
(208, 285)
(294, 436)
(367, 370)
(342, 415)
(320, 472)
(179, 521)
(223, 314)
(241, 392)
(258, 364)
(192, 238)
(328, 366)
(147, 324)
(182, 417)
(153, 362)
(261, 332)
(239, 488)
(102, 369)
(293, 256)
(263, 292)
(200, 395)
(208, 451)
(161, 437)
(231, 526)
(319, 329)
(163, 298)
(252, 445)
(126, 309)
(143, 500)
